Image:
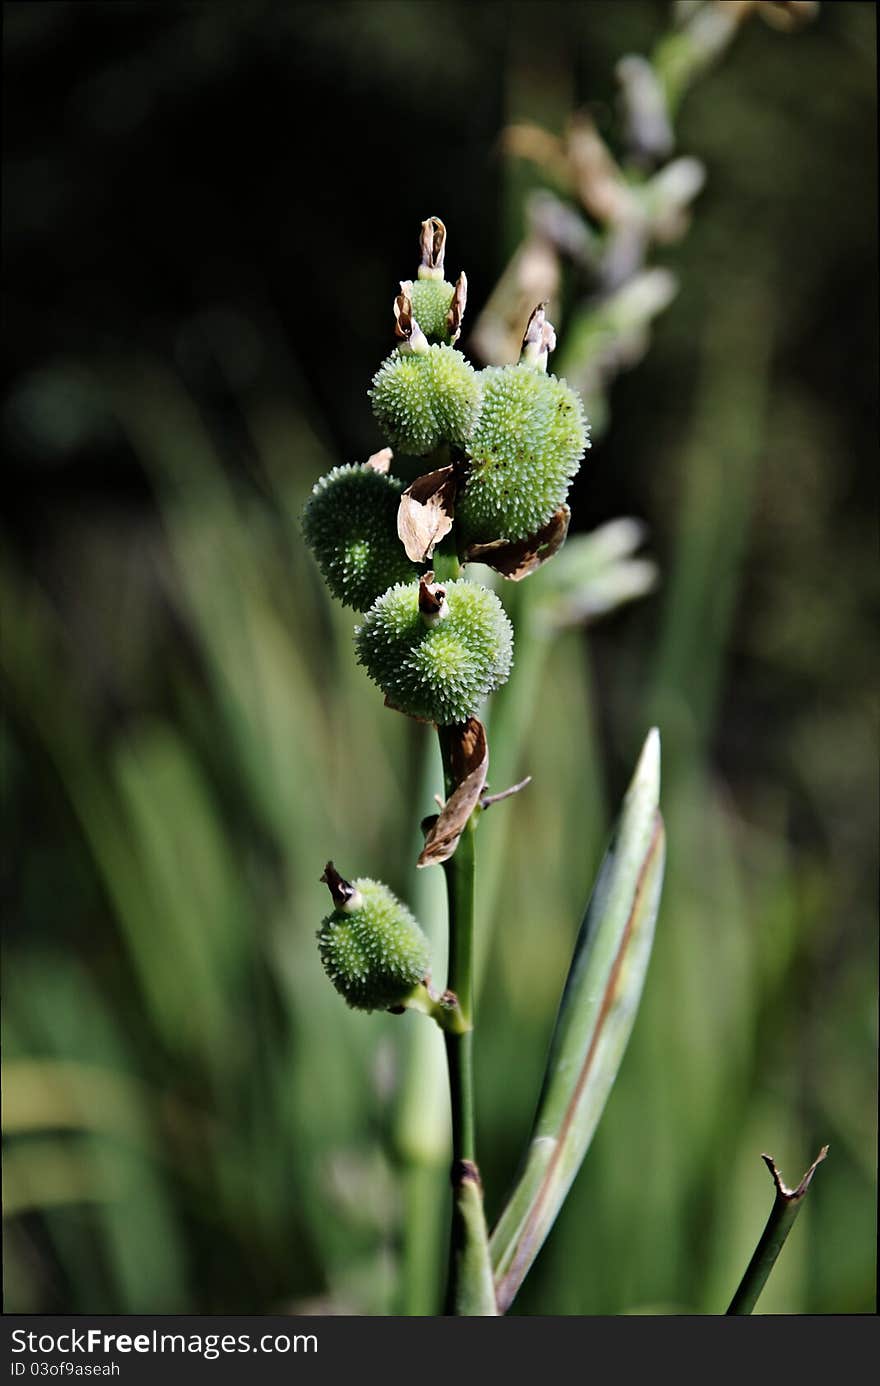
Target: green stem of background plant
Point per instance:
(786, 1206)
(470, 1289)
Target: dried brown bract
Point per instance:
(469, 755)
(426, 512)
(516, 558)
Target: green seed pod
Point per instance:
(524, 452)
(372, 949)
(431, 301)
(350, 523)
(434, 651)
(426, 397)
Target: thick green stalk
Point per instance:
(446, 566)
(470, 1290)
(422, 1121)
(421, 1126)
(786, 1206)
(459, 871)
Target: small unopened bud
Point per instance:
(433, 247)
(539, 340)
(432, 600)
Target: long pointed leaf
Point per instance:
(595, 1018)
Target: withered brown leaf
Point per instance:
(516, 558)
(426, 512)
(469, 754)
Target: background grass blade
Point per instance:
(595, 1019)
(786, 1206)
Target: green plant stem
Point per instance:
(459, 871)
(421, 1126)
(786, 1206)
(470, 1288)
(446, 569)
(459, 1047)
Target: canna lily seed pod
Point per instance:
(424, 396)
(524, 452)
(372, 949)
(350, 523)
(431, 300)
(526, 447)
(436, 651)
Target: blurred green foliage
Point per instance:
(200, 263)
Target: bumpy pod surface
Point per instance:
(375, 953)
(440, 671)
(524, 451)
(423, 399)
(350, 523)
(431, 299)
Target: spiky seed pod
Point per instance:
(425, 398)
(350, 523)
(524, 452)
(372, 949)
(431, 301)
(436, 652)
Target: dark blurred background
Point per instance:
(207, 209)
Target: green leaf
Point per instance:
(595, 1019)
